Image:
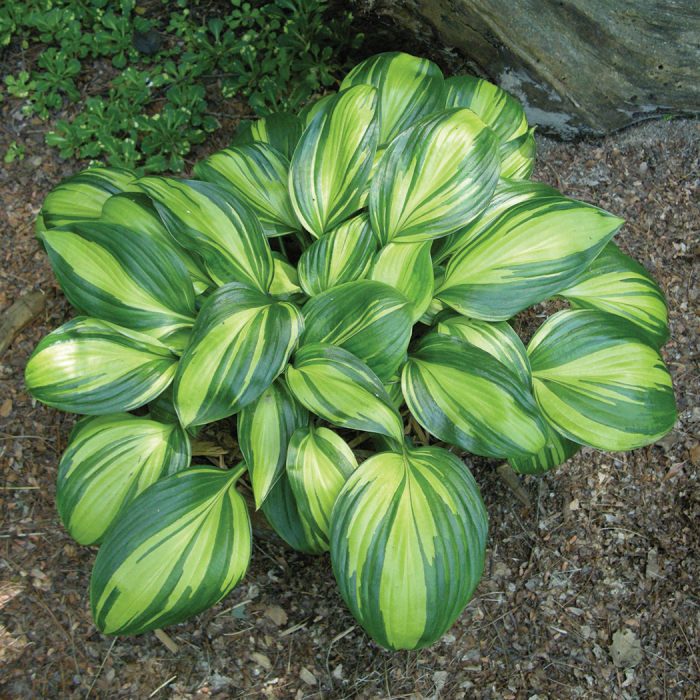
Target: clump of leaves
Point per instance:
(274, 55)
(14, 150)
(414, 235)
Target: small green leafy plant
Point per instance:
(273, 55)
(20, 86)
(353, 268)
(14, 150)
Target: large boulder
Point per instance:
(580, 67)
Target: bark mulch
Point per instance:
(591, 591)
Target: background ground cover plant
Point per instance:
(154, 110)
(647, 312)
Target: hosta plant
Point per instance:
(351, 268)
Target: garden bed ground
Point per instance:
(609, 545)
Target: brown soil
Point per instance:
(609, 545)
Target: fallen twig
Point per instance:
(165, 639)
(162, 685)
(99, 670)
(505, 471)
(207, 448)
(19, 316)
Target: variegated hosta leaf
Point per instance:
(241, 341)
(209, 221)
(307, 113)
(434, 177)
(406, 267)
(555, 452)
(498, 339)
(257, 174)
(201, 298)
(280, 129)
(319, 462)
(369, 319)
(599, 382)
(109, 461)
(333, 159)
(393, 388)
(285, 279)
(619, 285)
(533, 250)
(332, 383)
(342, 255)
(40, 227)
(364, 199)
(81, 196)
(495, 107)
(122, 276)
(282, 512)
(507, 194)
(409, 88)
(436, 306)
(178, 549)
(466, 397)
(408, 542)
(136, 211)
(265, 427)
(93, 367)
(518, 156)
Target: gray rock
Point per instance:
(580, 67)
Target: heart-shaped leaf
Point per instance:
(257, 174)
(319, 462)
(409, 88)
(240, 343)
(109, 460)
(434, 177)
(507, 194)
(333, 159)
(406, 267)
(466, 397)
(265, 427)
(119, 275)
(531, 251)
(599, 381)
(341, 389)
(494, 106)
(81, 196)
(342, 255)
(94, 367)
(220, 229)
(619, 285)
(280, 129)
(370, 319)
(497, 339)
(178, 549)
(408, 540)
(136, 210)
